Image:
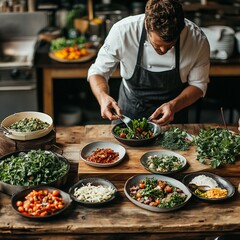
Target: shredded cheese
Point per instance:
(93, 194)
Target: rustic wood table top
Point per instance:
(121, 219)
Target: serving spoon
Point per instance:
(202, 188)
(126, 120)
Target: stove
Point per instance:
(18, 80)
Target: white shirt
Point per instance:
(121, 46)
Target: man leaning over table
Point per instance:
(164, 64)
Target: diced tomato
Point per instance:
(168, 189)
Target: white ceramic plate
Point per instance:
(159, 153)
(27, 135)
(134, 181)
(91, 147)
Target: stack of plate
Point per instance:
(221, 40)
(237, 36)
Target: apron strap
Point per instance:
(140, 48)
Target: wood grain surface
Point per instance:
(121, 219)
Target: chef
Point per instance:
(164, 64)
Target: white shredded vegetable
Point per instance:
(93, 194)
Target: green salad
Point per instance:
(140, 130)
(29, 125)
(32, 168)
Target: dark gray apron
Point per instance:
(149, 90)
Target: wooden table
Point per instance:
(53, 70)
(121, 219)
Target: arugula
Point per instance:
(217, 146)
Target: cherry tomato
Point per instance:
(122, 135)
(55, 193)
(19, 203)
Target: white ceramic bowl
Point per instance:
(27, 135)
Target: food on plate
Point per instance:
(164, 163)
(158, 193)
(140, 130)
(32, 168)
(29, 125)
(214, 192)
(175, 139)
(217, 146)
(103, 155)
(203, 180)
(40, 203)
(93, 194)
(71, 53)
(69, 49)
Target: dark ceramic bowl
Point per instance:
(138, 142)
(221, 182)
(20, 196)
(94, 182)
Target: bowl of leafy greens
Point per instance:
(23, 169)
(142, 133)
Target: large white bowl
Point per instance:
(26, 135)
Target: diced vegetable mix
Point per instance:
(164, 163)
(140, 130)
(219, 146)
(157, 193)
(29, 125)
(103, 155)
(32, 168)
(41, 203)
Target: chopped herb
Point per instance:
(175, 139)
(217, 146)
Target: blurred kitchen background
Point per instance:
(28, 25)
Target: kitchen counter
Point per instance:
(121, 219)
(53, 70)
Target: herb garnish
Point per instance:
(217, 146)
(175, 139)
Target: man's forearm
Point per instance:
(187, 97)
(99, 86)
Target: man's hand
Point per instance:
(108, 107)
(163, 115)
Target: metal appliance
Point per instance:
(18, 38)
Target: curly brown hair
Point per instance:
(165, 17)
